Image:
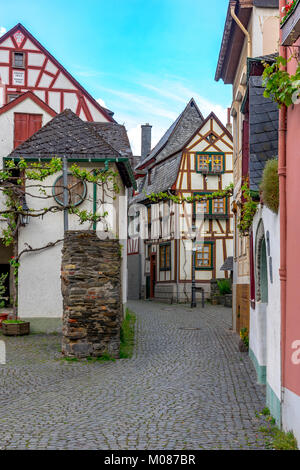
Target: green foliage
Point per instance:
(280, 86)
(270, 185)
(248, 211)
(276, 439)
(161, 196)
(288, 9)
(244, 335)
(15, 321)
(3, 278)
(224, 286)
(127, 335)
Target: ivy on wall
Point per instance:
(280, 86)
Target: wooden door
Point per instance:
(152, 275)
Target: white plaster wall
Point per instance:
(265, 332)
(39, 273)
(291, 413)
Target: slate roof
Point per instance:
(67, 135)
(263, 131)
(163, 176)
(178, 133)
(228, 265)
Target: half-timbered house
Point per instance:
(199, 163)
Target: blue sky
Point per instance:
(144, 59)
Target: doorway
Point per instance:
(152, 275)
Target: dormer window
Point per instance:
(19, 60)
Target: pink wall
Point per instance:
(292, 371)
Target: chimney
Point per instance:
(229, 125)
(146, 141)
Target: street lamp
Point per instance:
(25, 214)
(193, 300)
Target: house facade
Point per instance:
(251, 31)
(199, 164)
(36, 91)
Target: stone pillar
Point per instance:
(91, 289)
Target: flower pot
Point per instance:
(221, 299)
(3, 316)
(16, 329)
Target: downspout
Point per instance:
(283, 216)
(242, 27)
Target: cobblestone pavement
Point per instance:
(186, 387)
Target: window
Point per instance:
(204, 256)
(210, 162)
(76, 190)
(218, 206)
(25, 126)
(211, 207)
(165, 257)
(19, 59)
(12, 96)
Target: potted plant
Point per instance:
(15, 327)
(224, 287)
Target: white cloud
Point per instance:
(157, 104)
(2, 30)
(101, 102)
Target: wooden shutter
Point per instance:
(25, 126)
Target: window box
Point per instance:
(291, 27)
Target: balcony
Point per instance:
(291, 27)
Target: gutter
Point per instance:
(124, 160)
(283, 218)
(244, 30)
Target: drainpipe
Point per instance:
(242, 27)
(283, 217)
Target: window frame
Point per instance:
(211, 253)
(58, 201)
(210, 169)
(210, 204)
(167, 262)
(15, 66)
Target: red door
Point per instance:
(152, 274)
(25, 126)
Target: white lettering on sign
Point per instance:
(296, 354)
(18, 77)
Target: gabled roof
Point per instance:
(24, 97)
(233, 38)
(177, 134)
(67, 135)
(164, 172)
(115, 134)
(106, 113)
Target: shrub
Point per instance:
(224, 286)
(270, 185)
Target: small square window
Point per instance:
(19, 59)
(12, 97)
(203, 256)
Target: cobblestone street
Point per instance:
(186, 387)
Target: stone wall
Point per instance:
(91, 289)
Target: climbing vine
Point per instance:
(248, 210)
(178, 199)
(22, 181)
(280, 86)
